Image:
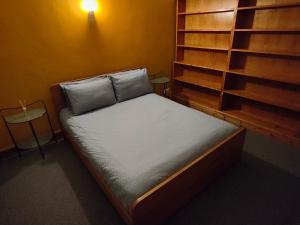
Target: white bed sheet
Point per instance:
(138, 143)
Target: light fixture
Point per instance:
(89, 5)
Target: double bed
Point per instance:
(150, 155)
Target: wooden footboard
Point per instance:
(155, 206)
(122, 210)
(160, 202)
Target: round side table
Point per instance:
(28, 117)
(164, 81)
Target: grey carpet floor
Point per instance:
(60, 191)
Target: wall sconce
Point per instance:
(90, 6)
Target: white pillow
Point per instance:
(87, 95)
(131, 84)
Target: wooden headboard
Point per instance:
(58, 96)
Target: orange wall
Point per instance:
(43, 42)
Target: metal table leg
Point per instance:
(51, 127)
(165, 89)
(37, 140)
(12, 138)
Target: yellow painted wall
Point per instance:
(43, 42)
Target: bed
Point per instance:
(150, 155)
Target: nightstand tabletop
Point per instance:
(160, 80)
(26, 117)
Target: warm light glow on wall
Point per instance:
(90, 5)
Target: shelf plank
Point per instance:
(274, 77)
(273, 126)
(196, 80)
(197, 66)
(291, 54)
(202, 48)
(205, 12)
(244, 119)
(287, 102)
(262, 30)
(271, 6)
(193, 100)
(23, 117)
(204, 30)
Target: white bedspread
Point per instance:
(140, 142)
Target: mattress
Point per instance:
(138, 143)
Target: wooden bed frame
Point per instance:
(156, 205)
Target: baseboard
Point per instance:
(7, 148)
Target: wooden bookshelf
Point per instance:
(205, 12)
(192, 95)
(286, 43)
(269, 66)
(281, 101)
(183, 63)
(269, 30)
(239, 60)
(271, 6)
(204, 30)
(195, 80)
(204, 6)
(267, 3)
(270, 118)
(258, 121)
(203, 40)
(203, 47)
(253, 51)
(267, 76)
(203, 58)
(205, 78)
